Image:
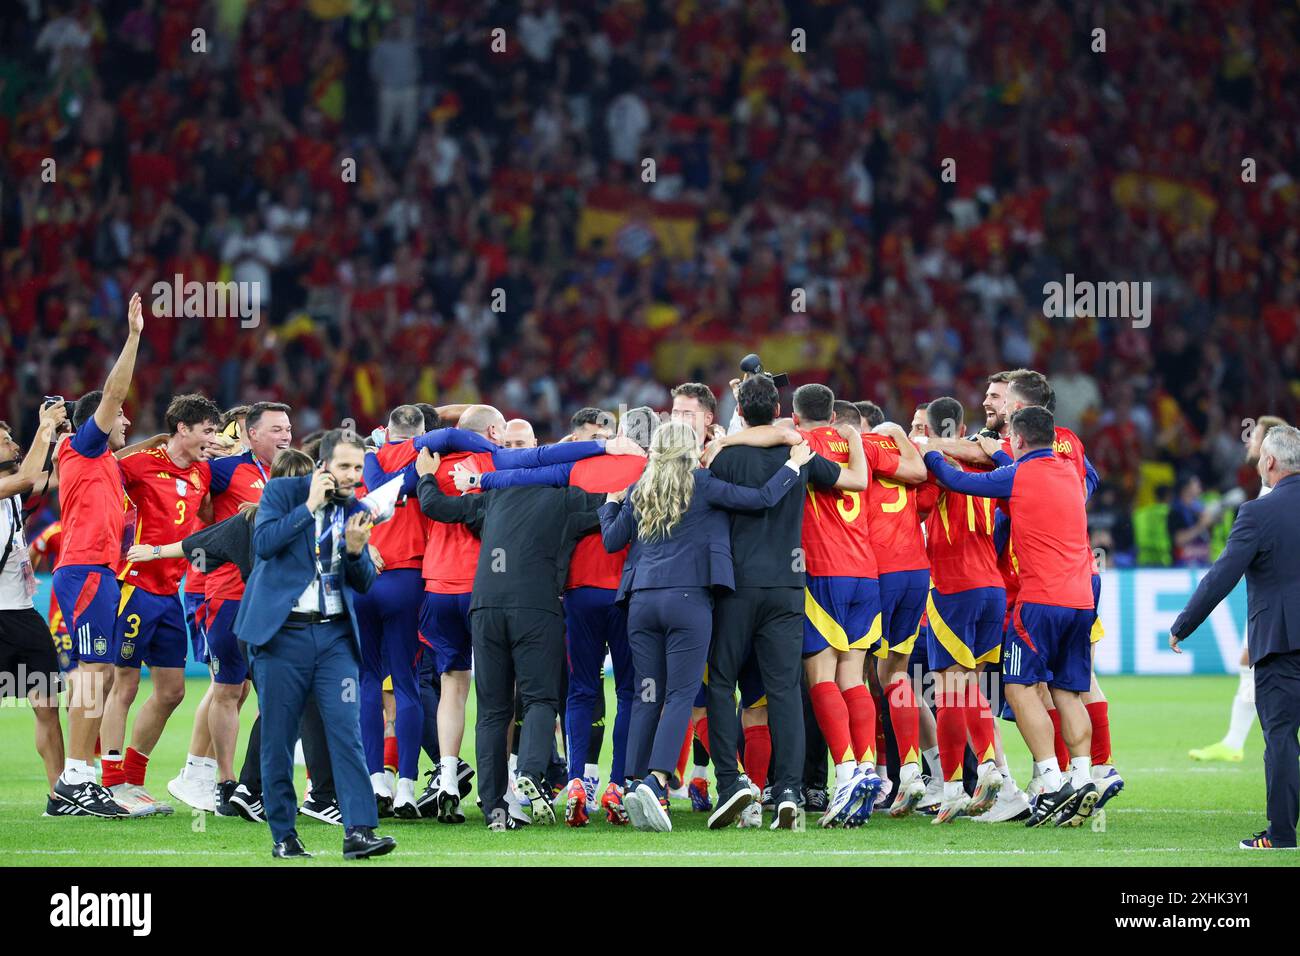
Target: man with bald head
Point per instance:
(519, 434)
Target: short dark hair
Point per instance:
(945, 416)
(234, 413)
(922, 406)
(1036, 425)
(86, 407)
(871, 413)
(407, 418)
(191, 410)
(258, 409)
(814, 402)
(432, 420)
(997, 377)
(589, 416)
(336, 438)
(1033, 388)
(311, 443)
(758, 400)
(847, 412)
(698, 391)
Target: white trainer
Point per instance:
(194, 791)
(1010, 805)
(910, 795)
(751, 817)
(404, 806)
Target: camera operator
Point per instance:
(28, 664)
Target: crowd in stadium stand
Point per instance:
(499, 242)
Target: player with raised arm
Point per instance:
(85, 582)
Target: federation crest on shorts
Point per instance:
(128, 650)
(101, 646)
(216, 664)
(182, 487)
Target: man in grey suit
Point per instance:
(1265, 546)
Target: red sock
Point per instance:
(113, 772)
(685, 755)
(1062, 751)
(134, 766)
(1099, 714)
(97, 750)
(878, 705)
(833, 719)
(862, 723)
(758, 754)
(979, 724)
(950, 724)
(702, 732)
(905, 716)
(390, 754)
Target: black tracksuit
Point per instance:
(527, 535)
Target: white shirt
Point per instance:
(309, 600)
(13, 594)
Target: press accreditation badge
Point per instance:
(333, 594)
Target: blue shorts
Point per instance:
(749, 680)
(88, 596)
(225, 660)
(965, 627)
(444, 627)
(150, 629)
(1049, 644)
(902, 603)
(843, 613)
(194, 624)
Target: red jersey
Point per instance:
(451, 554)
(836, 540)
(1049, 533)
(48, 543)
(167, 499)
(959, 533)
(592, 566)
(401, 540)
(895, 524)
(93, 504)
(235, 479)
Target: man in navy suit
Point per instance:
(1263, 546)
(310, 556)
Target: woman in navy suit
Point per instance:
(675, 519)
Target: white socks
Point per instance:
(200, 768)
(1243, 710)
(844, 772)
(953, 790)
(1050, 772)
(591, 770)
(379, 782)
(1080, 771)
(77, 771)
(447, 778)
(931, 757)
(700, 772)
(405, 791)
(907, 773)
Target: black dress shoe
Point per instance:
(289, 848)
(361, 843)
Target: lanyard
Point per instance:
(260, 470)
(335, 527)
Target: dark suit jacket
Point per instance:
(1265, 546)
(285, 561)
(697, 553)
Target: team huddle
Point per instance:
(830, 610)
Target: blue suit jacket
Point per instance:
(284, 562)
(1262, 546)
(697, 553)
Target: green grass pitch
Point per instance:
(1173, 812)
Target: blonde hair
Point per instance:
(664, 492)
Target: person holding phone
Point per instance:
(297, 617)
